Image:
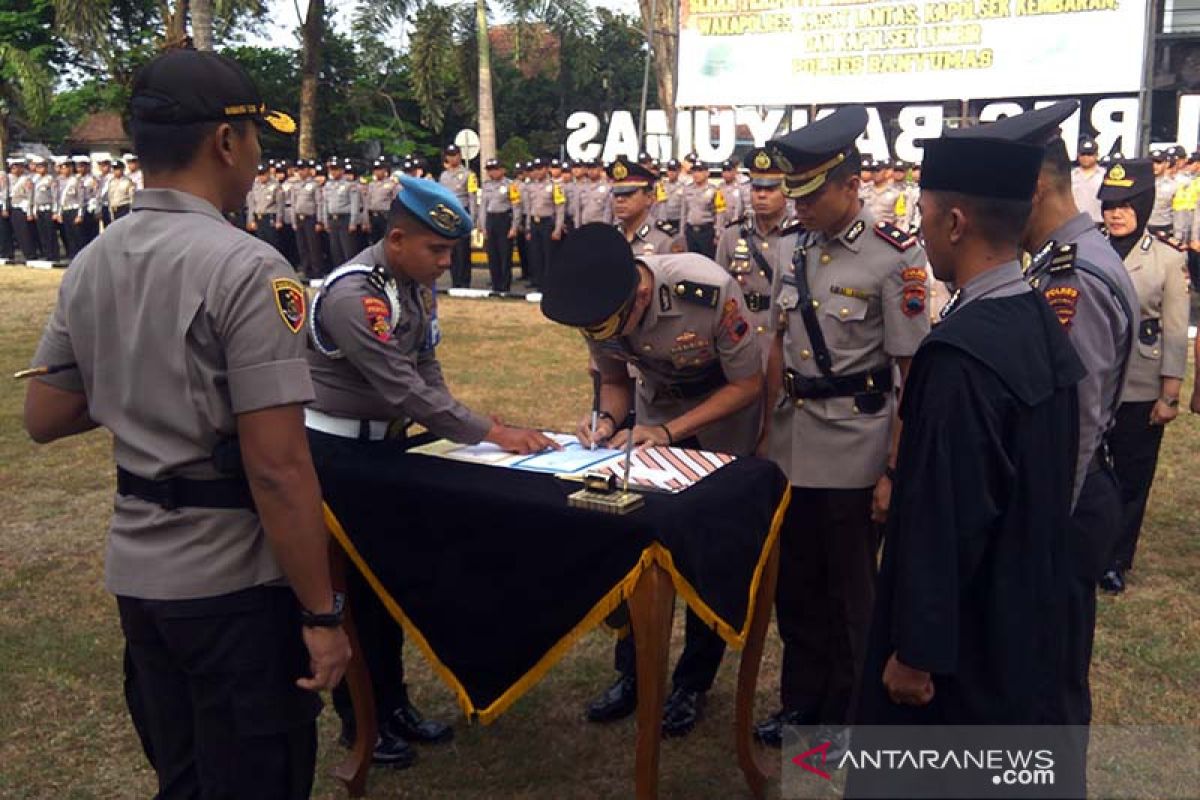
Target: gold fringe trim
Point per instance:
(655, 553)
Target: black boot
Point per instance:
(617, 702)
(770, 730)
(683, 709)
(408, 724)
(390, 750)
(1113, 581)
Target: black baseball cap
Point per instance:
(185, 86)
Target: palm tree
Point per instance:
(312, 36)
(660, 18)
(25, 86)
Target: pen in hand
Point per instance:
(595, 406)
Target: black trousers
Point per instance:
(265, 229)
(25, 234)
(380, 638)
(823, 603)
(72, 233)
(499, 250)
(378, 225)
(309, 246)
(523, 253)
(341, 245)
(287, 245)
(701, 239)
(539, 250)
(210, 685)
(460, 263)
(90, 229)
(698, 663)
(120, 211)
(47, 235)
(6, 236)
(1135, 444)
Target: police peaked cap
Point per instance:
(808, 154)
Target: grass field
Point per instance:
(64, 732)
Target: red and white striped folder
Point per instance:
(665, 469)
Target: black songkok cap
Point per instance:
(979, 167)
(591, 278)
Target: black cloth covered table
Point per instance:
(494, 576)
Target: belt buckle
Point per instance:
(169, 496)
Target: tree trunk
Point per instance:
(202, 24)
(487, 112)
(3, 141)
(176, 25)
(313, 35)
(664, 41)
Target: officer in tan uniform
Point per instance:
(731, 192)
(460, 180)
(846, 312)
(884, 194)
(545, 220)
(669, 199)
(380, 192)
(679, 321)
(497, 223)
(120, 191)
(1150, 396)
(217, 551)
(264, 208)
(753, 249)
(633, 203)
(596, 199)
(374, 332)
(702, 205)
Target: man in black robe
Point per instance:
(972, 591)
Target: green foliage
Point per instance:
(72, 106)
(514, 150)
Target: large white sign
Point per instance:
(795, 52)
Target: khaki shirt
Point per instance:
(695, 325)
(120, 192)
(266, 197)
(21, 193)
(651, 239)
(1158, 272)
(72, 194)
(544, 199)
(457, 180)
(494, 198)
(869, 289)
(380, 195)
(1085, 188)
(595, 203)
(882, 202)
(45, 192)
(670, 200)
(701, 204)
(386, 373)
(734, 255)
(1164, 194)
(179, 322)
(735, 209)
(306, 199)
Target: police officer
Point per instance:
(307, 210)
(103, 212)
(1150, 397)
(461, 182)
(120, 191)
(545, 216)
(20, 198)
(217, 552)
(846, 312)
(633, 202)
(380, 192)
(45, 208)
(134, 171)
(884, 194)
(1086, 178)
(750, 248)
(264, 208)
(1161, 219)
(374, 365)
(669, 200)
(519, 195)
(71, 202)
(596, 197)
(702, 204)
(1082, 278)
(287, 175)
(498, 224)
(731, 191)
(679, 321)
(90, 188)
(341, 203)
(6, 232)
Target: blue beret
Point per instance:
(435, 205)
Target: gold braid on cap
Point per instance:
(802, 184)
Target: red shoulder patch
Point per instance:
(377, 315)
(1063, 300)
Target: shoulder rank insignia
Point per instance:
(1147, 242)
(795, 227)
(897, 238)
(1171, 241)
(666, 227)
(703, 294)
(1063, 258)
(643, 231)
(856, 230)
(291, 301)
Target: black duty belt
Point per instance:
(801, 387)
(339, 217)
(268, 217)
(757, 301)
(691, 389)
(173, 493)
(701, 226)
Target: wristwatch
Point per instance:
(330, 619)
(1170, 402)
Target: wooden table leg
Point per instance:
(650, 607)
(750, 755)
(352, 771)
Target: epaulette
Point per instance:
(1170, 240)
(795, 227)
(666, 227)
(1063, 258)
(896, 237)
(736, 222)
(702, 294)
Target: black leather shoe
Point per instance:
(770, 731)
(839, 742)
(683, 709)
(617, 702)
(390, 751)
(408, 724)
(1113, 582)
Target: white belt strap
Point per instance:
(345, 427)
